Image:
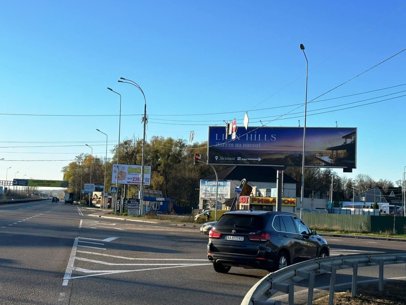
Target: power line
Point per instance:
(360, 74)
(315, 100)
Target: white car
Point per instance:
(206, 227)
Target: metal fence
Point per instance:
(356, 223)
(284, 280)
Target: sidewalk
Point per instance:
(108, 214)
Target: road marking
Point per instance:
(89, 247)
(142, 258)
(110, 239)
(92, 242)
(143, 264)
(149, 264)
(105, 272)
(338, 251)
(71, 262)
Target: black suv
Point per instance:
(263, 240)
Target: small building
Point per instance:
(262, 179)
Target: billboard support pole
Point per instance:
(217, 191)
(279, 187)
(404, 193)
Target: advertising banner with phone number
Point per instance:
(130, 174)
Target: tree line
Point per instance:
(175, 174)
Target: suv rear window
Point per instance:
(252, 222)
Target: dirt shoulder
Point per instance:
(394, 294)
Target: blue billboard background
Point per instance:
(283, 146)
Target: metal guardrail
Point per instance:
(8, 201)
(284, 280)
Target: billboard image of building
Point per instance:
(283, 146)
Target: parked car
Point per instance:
(262, 240)
(207, 226)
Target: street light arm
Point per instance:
(114, 91)
(131, 82)
(97, 129)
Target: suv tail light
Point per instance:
(214, 234)
(263, 236)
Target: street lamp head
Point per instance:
(98, 129)
(302, 47)
(110, 89)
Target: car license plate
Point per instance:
(236, 238)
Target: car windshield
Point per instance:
(241, 221)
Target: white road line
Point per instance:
(71, 262)
(134, 264)
(119, 229)
(337, 252)
(353, 250)
(89, 247)
(104, 272)
(107, 240)
(91, 242)
(110, 239)
(144, 258)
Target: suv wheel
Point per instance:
(323, 253)
(219, 267)
(283, 260)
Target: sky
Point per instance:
(200, 64)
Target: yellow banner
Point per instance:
(267, 200)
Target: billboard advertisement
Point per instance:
(208, 189)
(130, 174)
(283, 146)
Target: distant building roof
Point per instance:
(252, 173)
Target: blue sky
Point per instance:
(199, 63)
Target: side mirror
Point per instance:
(305, 234)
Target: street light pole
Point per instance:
(91, 165)
(404, 192)
(119, 126)
(118, 149)
(304, 133)
(105, 167)
(144, 120)
(7, 171)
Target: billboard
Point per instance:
(208, 189)
(130, 174)
(88, 188)
(283, 146)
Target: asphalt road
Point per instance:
(62, 254)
